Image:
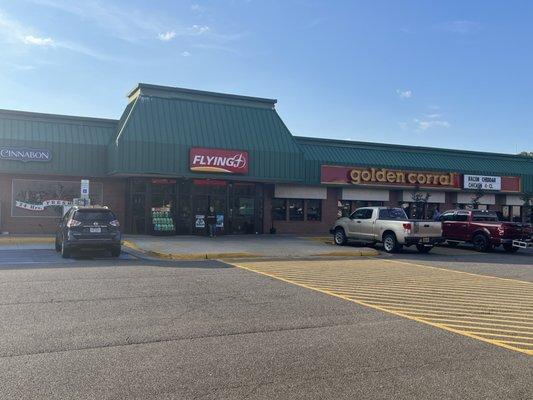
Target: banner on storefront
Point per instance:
(43, 205)
(218, 160)
(47, 198)
(390, 177)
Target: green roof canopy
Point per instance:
(341, 152)
(162, 124)
(77, 144)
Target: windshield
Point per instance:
(94, 215)
(392, 213)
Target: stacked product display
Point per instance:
(162, 221)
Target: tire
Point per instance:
(390, 244)
(509, 248)
(115, 252)
(339, 237)
(452, 244)
(481, 243)
(65, 251)
(423, 249)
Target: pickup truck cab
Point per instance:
(482, 228)
(389, 226)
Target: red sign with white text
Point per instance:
(218, 160)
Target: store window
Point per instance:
(314, 210)
(346, 207)
(512, 213)
(296, 209)
(279, 209)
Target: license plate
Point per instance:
(95, 230)
(425, 240)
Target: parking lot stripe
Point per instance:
(494, 310)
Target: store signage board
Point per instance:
(218, 160)
(84, 189)
(163, 181)
(25, 154)
(482, 182)
(387, 177)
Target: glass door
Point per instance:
(243, 208)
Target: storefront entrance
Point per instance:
(170, 206)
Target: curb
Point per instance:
(25, 240)
(353, 253)
(319, 239)
(188, 256)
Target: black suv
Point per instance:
(94, 228)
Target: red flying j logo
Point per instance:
(218, 160)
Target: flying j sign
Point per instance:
(218, 160)
(385, 176)
(25, 154)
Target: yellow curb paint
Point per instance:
(25, 240)
(472, 335)
(356, 253)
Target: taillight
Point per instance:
(114, 223)
(72, 223)
(407, 226)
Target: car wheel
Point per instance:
(509, 248)
(65, 251)
(423, 249)
(115, 252)
(339, 237)
(481, 243)
(390, 244)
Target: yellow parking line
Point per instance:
(455, 301)
(464, 272)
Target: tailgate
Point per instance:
(427, 228)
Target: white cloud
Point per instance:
(433, 116)
(424, 125)
(14, 32)
(197, 8)
(402, 125)
(37, 41)
(404, 94)
(462, 27)
(185, 54)
(199, 29)
(166, 36)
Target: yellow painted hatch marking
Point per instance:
(494, 310)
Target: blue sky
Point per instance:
(454, 74)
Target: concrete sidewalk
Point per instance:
(240, 246)
(202, 247)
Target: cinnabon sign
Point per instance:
(218, 160)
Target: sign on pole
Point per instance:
(84, 191)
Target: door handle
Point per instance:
(358, 222)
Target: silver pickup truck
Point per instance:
(389, 226)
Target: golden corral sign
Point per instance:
(385, 176)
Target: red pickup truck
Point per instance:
(481, 228)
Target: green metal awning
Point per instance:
(162, 124)
(339, 152)
(77, 144)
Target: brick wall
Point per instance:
(113, 197)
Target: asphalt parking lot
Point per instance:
(335, 328)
